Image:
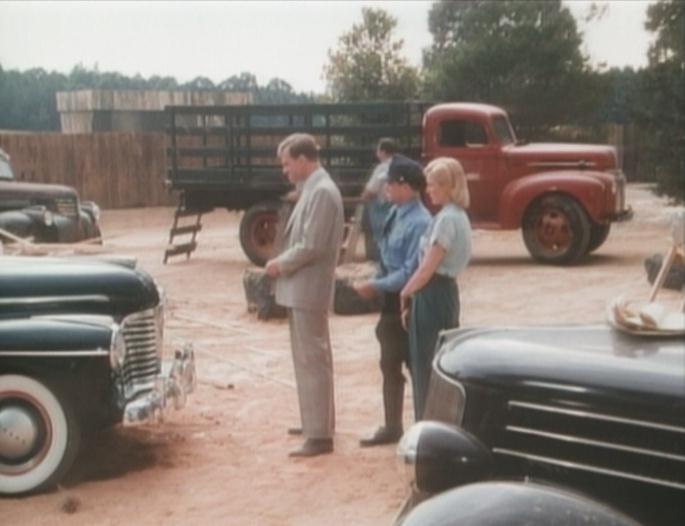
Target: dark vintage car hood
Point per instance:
(63, 334)
(32, 286)
(17, 190)
(583, 360)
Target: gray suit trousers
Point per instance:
(313, 363)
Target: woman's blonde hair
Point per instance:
(449, 174)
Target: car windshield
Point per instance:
(505, 135)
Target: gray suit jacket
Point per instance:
(312, 240)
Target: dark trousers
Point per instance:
(394, 343)
(434, 308)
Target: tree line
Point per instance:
(522, 55)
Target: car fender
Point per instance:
(505, 503)
(588, 188)
(18, 223)
(66, 229)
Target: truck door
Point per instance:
(466, 139)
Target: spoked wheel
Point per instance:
(258, 229)
(556, 230)
(39, 436)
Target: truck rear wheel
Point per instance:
(556, 230)
(258, 231)
(598, 235)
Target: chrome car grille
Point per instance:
(597, 442)
(66, 206)
(142, 333)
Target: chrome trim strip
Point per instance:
(563, 164)
(596, 416)
(51, 299)
(55, 354)
(598, 443)
(586, 467)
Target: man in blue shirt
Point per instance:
(407, 220)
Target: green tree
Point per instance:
(367, 64)
(662, 117)
(524, 56)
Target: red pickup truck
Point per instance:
(564, 197)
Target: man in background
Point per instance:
(377, 204)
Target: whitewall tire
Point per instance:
(39, 435)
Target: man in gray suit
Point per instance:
(305, 279)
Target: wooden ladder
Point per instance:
(187, 248)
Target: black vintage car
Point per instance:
(80, 347)
(47, 213)
(586, 409)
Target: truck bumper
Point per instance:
(177, 380)
(623, 215)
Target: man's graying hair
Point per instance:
(299, 144)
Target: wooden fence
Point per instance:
(116, 170)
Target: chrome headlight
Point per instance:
(436, 456)
(406, 454)
(47, 218)
(117, 351)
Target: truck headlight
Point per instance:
(436, 456)
(117, 351)
(47, 218)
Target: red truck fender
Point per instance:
(587, 188)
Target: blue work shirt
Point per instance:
(399, 245)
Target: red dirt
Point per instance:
(223, 459)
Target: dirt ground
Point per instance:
(223, 459)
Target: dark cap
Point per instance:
(403, 170)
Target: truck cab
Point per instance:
(564, 197)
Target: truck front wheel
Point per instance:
(556, 230)
(39, 435)
(598, 235)
(258, 231)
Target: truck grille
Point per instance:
(142, 333)
(595, 442)
(66, 206)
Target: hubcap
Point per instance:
(264, 235)
(553, 231)
(18, 432)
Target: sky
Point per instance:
(285, 39)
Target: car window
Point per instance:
(5, 170)
(503, 131)
(462, 134)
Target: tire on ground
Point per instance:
(258, 229)
(598, 235)
(39, 434)
(556, 230)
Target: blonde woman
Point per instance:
(432, 291)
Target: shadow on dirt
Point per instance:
(525, 261)
(113, 453)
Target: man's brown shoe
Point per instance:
(313, 447)
(297, 431)
(382, 436)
